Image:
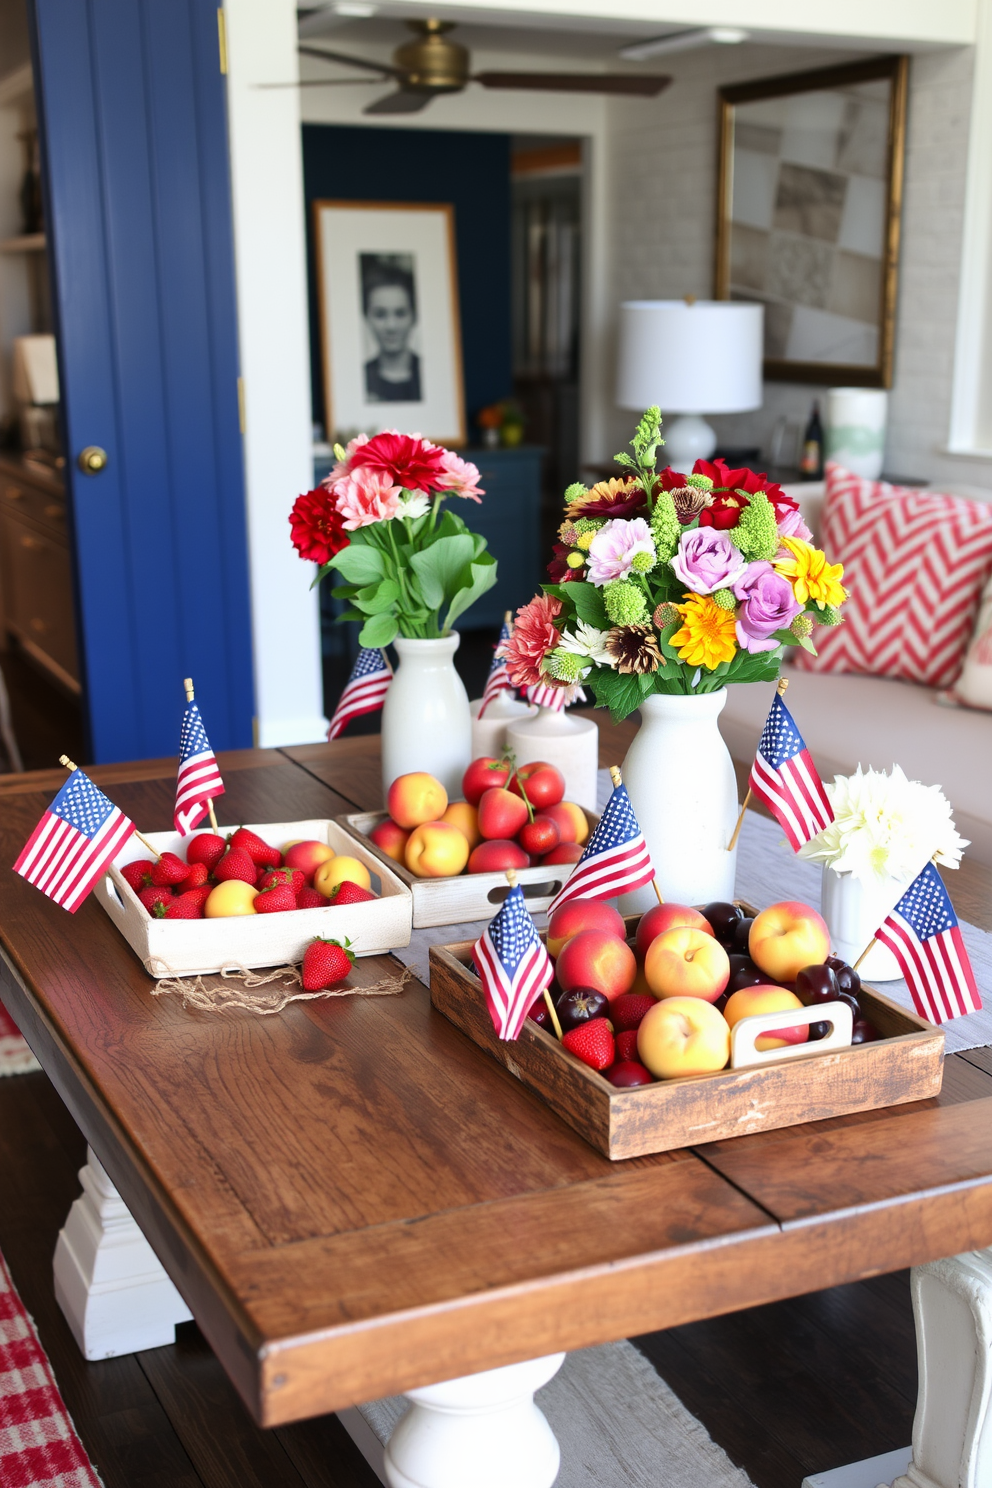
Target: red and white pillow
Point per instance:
(973, 688)
(914, 563)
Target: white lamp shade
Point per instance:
(703, 357)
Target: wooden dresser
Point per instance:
(36, 603)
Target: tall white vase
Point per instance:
(853, 911)
(426, 723)
(681, 782)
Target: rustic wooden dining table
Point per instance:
(353, 1200)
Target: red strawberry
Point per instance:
(155, 895)
(324, 963)
(626, 1042)
(195, 878)
(591, 1042)
(236, 864)
(627, 1010)
(270, 878)
(261, 854)
(168, 870)
(202, 894)
(184, 907)
(309, 898)
(139, 874)
(206, 847)
(347, 892)
(273, 900)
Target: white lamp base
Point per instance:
(688, 439)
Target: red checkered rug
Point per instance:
(15, 1058)
(39, 1447)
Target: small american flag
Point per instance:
(199, 779)
(922, 933)
(616, 858)
(498, 680)
(553, 697)
(785, 778)
(74, 843)
(514, 967)
(364, 691)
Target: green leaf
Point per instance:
(441, 566)
(359, 563)
(588, 602)
(482, 576)
(376, 598)
(621, 694)
(378, 631)
(348, 615)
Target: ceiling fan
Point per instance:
(432, 64)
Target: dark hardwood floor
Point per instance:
(794, 1388)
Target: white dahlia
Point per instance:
(886, 826)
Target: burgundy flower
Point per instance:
(606, 499)
(408, 460)
(558, 569)
(317, 527)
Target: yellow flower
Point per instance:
(708, 635)
(811, 576)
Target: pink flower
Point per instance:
(791, 524)
(534, 635)
(459, 477)
(614, 548)
(366, 496)
(340, 470)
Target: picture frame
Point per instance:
(390, 329)
(809, 198)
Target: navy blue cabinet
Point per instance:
(510, 521)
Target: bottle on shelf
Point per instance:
(811, 460)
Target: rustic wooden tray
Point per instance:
(905, 1064)
(466, 896)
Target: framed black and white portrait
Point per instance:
(389, 324)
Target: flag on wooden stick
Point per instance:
(616, 858)
(785, 778)
(74, 843)
(499, 678)
(365, 690)
(922, 933)
(199, 779)
(513, 965)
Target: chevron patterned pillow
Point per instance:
(915, 563)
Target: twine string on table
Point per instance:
(196, 993)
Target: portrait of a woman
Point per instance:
(389, 305)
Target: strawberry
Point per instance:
(271, 901)
(168, 870)
(261, 854)
(627, 1010)
(347, 892)
(627, 1042)
(236, 864)
(269, 878)
(206, 847)
(139, 874)
(184, 907)
(155, 895)
(309, 898)
(202, 894)
(326, 962)
(195, 878)
(591, 1042)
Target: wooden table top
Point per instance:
(353, 1199)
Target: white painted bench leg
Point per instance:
(108, 1281)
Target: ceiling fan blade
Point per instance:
(383, 68)
(404, 101)
(624, 84)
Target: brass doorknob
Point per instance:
(92, 459)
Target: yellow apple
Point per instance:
(683, 1036)
(230, 898)
(687, 962)
(752, 1000)
(437, 849)
(337, 870)
(465, 817)
(786, 937)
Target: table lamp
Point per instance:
(690, 357)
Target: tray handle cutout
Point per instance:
(743, 1035)
(531, 891)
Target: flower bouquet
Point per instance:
(377, 520)
(665, 583)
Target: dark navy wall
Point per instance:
(430, 165)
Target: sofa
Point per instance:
(849, 720)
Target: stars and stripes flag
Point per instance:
(364, 691)
(199, 779)
(616, 858)
(499, 679)
(785, 778)
(922, 933)
(553, 697)
(513, 965)
(74, 843)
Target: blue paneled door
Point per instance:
(133, 124)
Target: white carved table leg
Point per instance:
(108, 1281)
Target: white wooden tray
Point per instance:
(466, 896)
(192, 947)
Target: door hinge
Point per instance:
(241, 404)
(222, 38)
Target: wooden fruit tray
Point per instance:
(191, 947)
(905, 1064)
(466, 896)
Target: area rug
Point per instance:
(39, 1447)
(15, 1056)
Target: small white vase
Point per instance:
(569, 743)
(426, 723)
(681, 782)
(853, 911)
(489, 731)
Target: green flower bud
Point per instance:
(574, 491)
(625, 603)
(575, 559)
(829, 616)
(666, 614)
(643, 562)
(701, 482)
(724, 599)
(756, 533)
(666, 529)
(564, 666)
(802, 625)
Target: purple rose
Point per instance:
(707, 560)
(767, 605)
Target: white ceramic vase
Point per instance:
(569, 743)
(853, 911)
(426, 723)
(681, 782)
(489, 731)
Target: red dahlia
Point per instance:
(317, 527)
(410, 462)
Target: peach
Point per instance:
(662, 917)
(565, 852)
(230, 898)
(390, 839)
(465, 817)
(786, 937)
(573, 824)
(683, 1036)
(597, 959)
(686, 962)
(415, 799)
(338, 870)
(307, 856)
(501, 814)
(497, 856)
(436, 849)
(576, 915)
(751, 1000)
